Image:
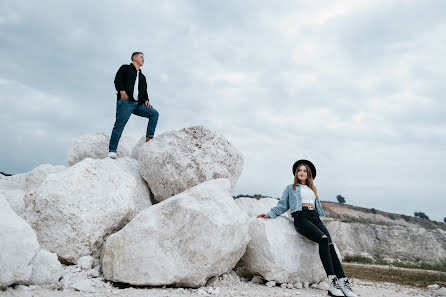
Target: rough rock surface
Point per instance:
(376, 234)
(73, 210)
(95, 146)
(35, 177)
(15, 200)
(20, 258)
(142, 198)
(276, 251)
(15, 187)
(138, 148)
(178, 160)
(182, 241)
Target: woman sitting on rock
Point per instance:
(302, 201)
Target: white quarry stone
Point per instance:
(182, 241)
(85, 262)
(277, 251)
(46, 268)
(433, 287)
(142, 199)
(306, 284)
(21, 260)
(73, 210)
(95, 146)
(14, 188)
(35, 177)
(323, 286)
(18, 246)
(84, 285)
(178, 160)
(271, 284)
(368, 240)
(298, 285)
(441, 292)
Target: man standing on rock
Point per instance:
(132, 97)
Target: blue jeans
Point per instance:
(124, 108)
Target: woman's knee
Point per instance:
(155, 113)
(323, 240)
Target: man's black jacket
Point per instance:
(125, 81)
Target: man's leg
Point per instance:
(124, 109)
(150, 113)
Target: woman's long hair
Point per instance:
(309, 182)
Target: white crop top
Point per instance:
(307, 194)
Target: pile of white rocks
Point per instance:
(161, 214)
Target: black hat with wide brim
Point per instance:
(312, 167)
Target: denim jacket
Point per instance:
(292, 200)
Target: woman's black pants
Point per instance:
(308, 223)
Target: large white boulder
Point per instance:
(276, 251)
(95, 146)
(142, 198)
(21, 260)
(182, 241)
(178, 160)
(73, 210)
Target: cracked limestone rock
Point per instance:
(73, 210)
(178, 160)
(182, 241)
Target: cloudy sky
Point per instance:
(355, 86)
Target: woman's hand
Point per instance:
(263, 216)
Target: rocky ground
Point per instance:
(226, 285)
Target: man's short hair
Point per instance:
(136, 53)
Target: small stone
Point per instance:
(290, 286)
(298, 285)
(323, 286)
(433, 287)
(283, 285)
(315, 286)
(271, 284)
(85, 262)
(306, 284)
(257, 279)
